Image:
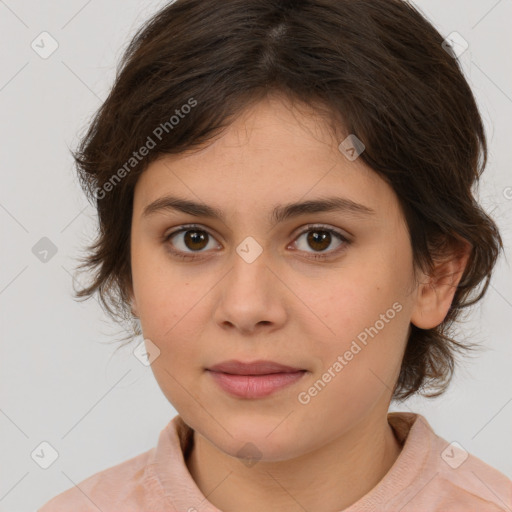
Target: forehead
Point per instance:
(273, 153)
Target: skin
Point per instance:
(284, 306)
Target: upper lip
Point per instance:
(253, 368)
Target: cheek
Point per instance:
(359, 367)
(159, 289)
(172, 316)
(366, 314)
(357, 299)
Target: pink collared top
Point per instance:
(430, 475)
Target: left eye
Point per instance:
(320, 238)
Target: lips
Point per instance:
(235, 367)
(255, 380)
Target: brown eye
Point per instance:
(195, 240)
(188, 240)
(320, 239)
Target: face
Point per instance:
(328, 291)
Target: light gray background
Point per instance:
(60, 380)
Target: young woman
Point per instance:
(284, 193)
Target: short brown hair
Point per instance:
(376, 66)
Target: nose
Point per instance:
(251, 295)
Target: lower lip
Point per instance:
(255, 386)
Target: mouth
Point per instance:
(234, 367)
(254, 380)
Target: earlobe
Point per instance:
(435, 293)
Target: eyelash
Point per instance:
(315, 256)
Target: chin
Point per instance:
(255, 441)
(252, 451)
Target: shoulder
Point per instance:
(466, 479)
(453, 480)
(121, 486)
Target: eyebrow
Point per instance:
(279, 213)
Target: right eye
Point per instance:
(189, 240)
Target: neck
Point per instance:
(333, 477)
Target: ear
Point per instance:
(435, 292)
